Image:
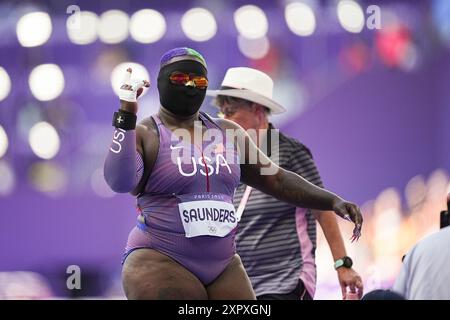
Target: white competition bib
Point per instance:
(207, 218)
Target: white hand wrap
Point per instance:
(130, 93)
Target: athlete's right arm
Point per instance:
(124, 165)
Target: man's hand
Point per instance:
(349, 278)
(351, 212)
(130, 91)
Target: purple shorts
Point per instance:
(205, 256)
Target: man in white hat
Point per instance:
(275, 240)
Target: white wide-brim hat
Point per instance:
(249, 84)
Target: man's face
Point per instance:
(242, 114)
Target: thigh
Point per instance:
(149, 274)
(232, 284)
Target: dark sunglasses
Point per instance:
(182, 79)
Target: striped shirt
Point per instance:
(277, 241)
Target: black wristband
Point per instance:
(124, 120)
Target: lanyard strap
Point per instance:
(243, 202)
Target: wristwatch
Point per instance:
(345, 262)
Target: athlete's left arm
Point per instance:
(259, 171)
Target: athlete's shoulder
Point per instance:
(226, 124)
(219, 122)
(147, 126)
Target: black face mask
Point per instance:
(180, 99)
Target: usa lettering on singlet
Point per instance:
(220, 161)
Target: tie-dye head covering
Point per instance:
(177, 52)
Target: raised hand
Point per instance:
(130, 91)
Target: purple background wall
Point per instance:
(380, 129)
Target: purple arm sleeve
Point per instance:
(123, 165)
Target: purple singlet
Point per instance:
(186, 206)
